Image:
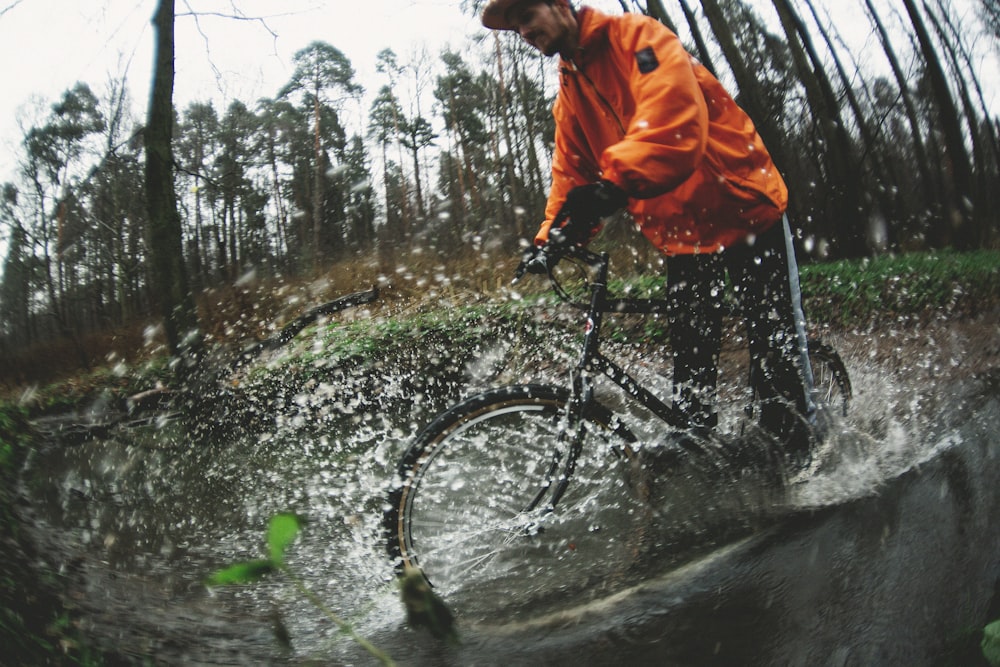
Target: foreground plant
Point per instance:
(991, 643)
(281, 532)
(424, 609)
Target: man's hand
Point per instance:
(584, 207)
(534, 260)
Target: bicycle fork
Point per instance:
(575, 429)
(572, 430)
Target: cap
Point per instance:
(495, 14)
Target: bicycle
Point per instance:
(492, 487)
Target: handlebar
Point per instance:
(544, 259)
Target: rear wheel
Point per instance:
(831, 396)
(831, 384)
(473, 504)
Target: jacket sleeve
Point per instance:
(665, 141)
(568, 169)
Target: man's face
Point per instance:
(547, 27)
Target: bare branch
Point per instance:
(237, 15)
(10, 7)
(208, 53)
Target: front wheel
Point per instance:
(473, 506)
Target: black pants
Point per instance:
(765, 278)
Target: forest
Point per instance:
(114, 220)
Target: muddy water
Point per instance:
(139, 520)
(882, 554)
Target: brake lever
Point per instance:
(537, 263)
(519, 272)
(544, 258)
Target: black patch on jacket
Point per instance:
(647, 60)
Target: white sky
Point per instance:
(48, 45)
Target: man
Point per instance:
(640, 124)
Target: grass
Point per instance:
(861, 293)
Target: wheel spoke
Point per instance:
(465, 522)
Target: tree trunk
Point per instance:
(656, 9)
(281, 244)
(951, 129)
(405, 210)
(962, 52)
(535, 173)
(704, 55)
(843, 186)
(884, 173)
(508, 159)
(977, 218)
(317, 202)
(750, 98)
(168, 276)
(923, 164)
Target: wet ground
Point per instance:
(881, 554)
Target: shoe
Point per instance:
(660, 457)
(703, 468)
(746, 453)
(798, 444)
(657, 462)
(793, 434)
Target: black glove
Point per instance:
(534, 260)
(584, 207)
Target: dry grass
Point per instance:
(254, 307)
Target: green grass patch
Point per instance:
(916, 285)
(848, 293)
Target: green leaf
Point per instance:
(241, 573)
(991, 643)
(280, 533)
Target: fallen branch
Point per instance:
(292, 329)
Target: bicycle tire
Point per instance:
(466, 509)
(832, 389)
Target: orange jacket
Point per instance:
(636, 109)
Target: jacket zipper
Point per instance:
(603, 100)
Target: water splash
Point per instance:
(157, 507)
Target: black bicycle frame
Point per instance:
(593, 361)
